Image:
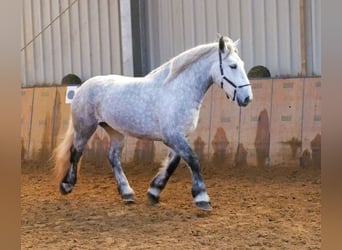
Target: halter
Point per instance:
(229, 81)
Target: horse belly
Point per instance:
(143, 131)
(140, 125)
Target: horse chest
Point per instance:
(194, 119)
(180, 116)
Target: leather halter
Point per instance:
(229, 81)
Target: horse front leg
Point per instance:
(159, 181)
(199, 193)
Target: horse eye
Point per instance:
(233, 66)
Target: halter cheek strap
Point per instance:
(229, 81)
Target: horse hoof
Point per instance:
(65, 188)
(204, 205)
(152, 199)
(128, 198)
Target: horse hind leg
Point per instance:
(80, 140)
(114, 157)
(70, 178)
(160, 180)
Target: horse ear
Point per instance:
(221, 44)
(237, 42)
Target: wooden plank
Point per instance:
(224, 129)
(199, 138)
(312, 120)
(286, 121)
(96, 149)
(42, 122)
(255, 124)
(61, 116)
(130, 143)
(142, 151)
(129, 149)
(26, 115)
(160, 152)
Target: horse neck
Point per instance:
(160, 73)
(196, 78)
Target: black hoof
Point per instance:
(204, 205)
(65, 188)
(152, 199)
(128, 198)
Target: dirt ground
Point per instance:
(274, 208)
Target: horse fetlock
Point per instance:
(70, 176)
(203, 205)
(128, 198)
(154, 191)
(65, 188)
(127, 193)
(125, 190)
(158, 183)
(198, 189)
(202, 201)
(152, 196)
(201, 197)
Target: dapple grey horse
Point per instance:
(164, 105)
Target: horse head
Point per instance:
(229, 73)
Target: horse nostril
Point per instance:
(247, 100)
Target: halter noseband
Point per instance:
(229, 81)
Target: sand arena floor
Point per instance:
(275, 208)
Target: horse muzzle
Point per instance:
(244, 102)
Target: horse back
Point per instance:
(126, 104)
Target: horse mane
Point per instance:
(180, 62)
(187, 58)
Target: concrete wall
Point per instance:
(283, 121)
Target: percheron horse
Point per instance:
(164, 105)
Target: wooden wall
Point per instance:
(282, 126)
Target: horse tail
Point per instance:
(61, 154)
